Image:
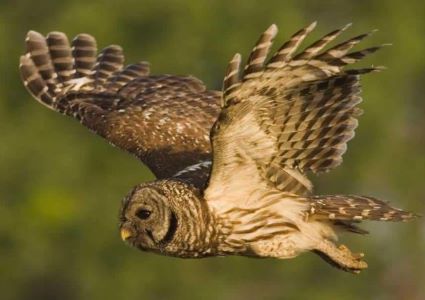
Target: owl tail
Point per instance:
(355, 208)
(344, 211)
(53, 67)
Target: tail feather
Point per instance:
(355, 208)
(53, 67)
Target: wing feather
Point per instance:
(162, 119)
(285, 52)
(109, 61)
(232, 79)
(295, 115)
(84, 51)
(312, 50)
(259, 53)
(61, 56)
(38, 52)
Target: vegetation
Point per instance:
(60, 186)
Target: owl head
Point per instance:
(147, 219)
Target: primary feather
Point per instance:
(162, 119)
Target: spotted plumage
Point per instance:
(162, 119)
(245, 191)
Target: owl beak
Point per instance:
(125, 234)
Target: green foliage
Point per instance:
(60, 186)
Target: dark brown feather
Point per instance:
(61, 56)
(84, 50)
(162, 119)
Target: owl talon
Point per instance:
(341, 257)
(344, 249)
(358, 256)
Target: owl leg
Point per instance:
(340, 257)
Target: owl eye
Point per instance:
(143, 214)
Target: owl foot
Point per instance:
(345, 249)
(341, 257)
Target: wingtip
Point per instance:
(311, 26)
(272, 30)
(345, 27)
(145, 63)
(373, 31)
(115, 47)
(23, 60)
(34, 35)
(237, 57)
(84, 36)
(379, 68)
(57, 34)
(417, 215)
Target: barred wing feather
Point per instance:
(286, 117)
(162, 119)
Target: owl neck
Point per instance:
(194, 229)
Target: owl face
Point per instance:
(147, 220)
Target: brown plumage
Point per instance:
(278, 120)
(355, 208)
(162, 119)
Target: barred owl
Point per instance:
(231, 166)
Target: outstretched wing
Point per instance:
(163, 119)
(281, 119)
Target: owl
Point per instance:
(231, 166)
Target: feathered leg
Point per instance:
(340, 257)
(349, 208)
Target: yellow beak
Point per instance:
(125, 234)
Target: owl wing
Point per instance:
(279, 120)
(163, 119)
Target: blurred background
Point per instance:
(61, 186)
